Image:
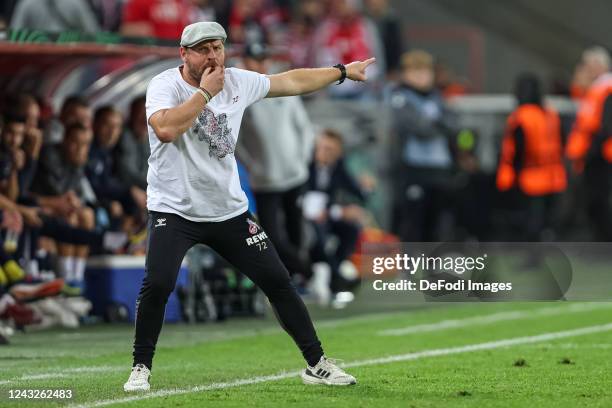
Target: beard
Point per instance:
(196, 72)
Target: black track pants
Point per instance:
(243, 244)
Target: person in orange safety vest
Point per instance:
(531, 158)
(589, 144)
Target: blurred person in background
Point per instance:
(594, 62)
(55, 16)
(13, 156)
(244, 26)
(531, 159)
(6, 10)
(163, 19)
(62, 190)
(203, 10)
(276, 153)
(424, 134)
(302, 27)
(334, 204)
(15, 197)
(390, 31)
(75, 109)
(589, 145)
(133, 150)
(25, 105)
(347, 35)
(108, 13)
(256, 21)
(118, 197)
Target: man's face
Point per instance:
(76, 147)
(108, 129)
(201, 56)
(13, 134)
(421, 79)
(327, 151)
(78, 114)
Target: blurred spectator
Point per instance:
(424, 132)
(13, 158)
(589, 144)
(15, 198)
(6, 10)
(346, 36)
(133, 150)
(118, 197)
(276, 154)
(61, 188)
(204, 10)
(55, 16)
(595, 61)
(390, 30)
(108, 13)
(244, 27)
(332, 215)
(164, 19)
(299, 40)
(61, 173)
(25, 106)
(532, 159)
(75, 110)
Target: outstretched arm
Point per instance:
(305, 80)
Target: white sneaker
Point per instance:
(328, 373)
(139, 379)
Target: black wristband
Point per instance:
(206, 92)
(342, 69)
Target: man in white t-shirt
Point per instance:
(194, 195)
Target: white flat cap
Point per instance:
(198, 32)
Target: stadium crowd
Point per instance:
(74, 183)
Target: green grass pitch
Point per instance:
(450, 355)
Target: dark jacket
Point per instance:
(340, 182)
(423, 128)
(131, 158)
(55, 176)
(99, 171)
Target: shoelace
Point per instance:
(332, 363)
(139, 372)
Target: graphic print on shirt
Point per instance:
(214, 130)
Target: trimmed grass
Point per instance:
(567, 372)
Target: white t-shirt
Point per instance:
(196, 176)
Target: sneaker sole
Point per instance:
(308, 380)
(137, 389)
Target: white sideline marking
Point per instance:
(331, 323)
(569, 346)
(374, 361)
(493, 318)
(63, 373)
